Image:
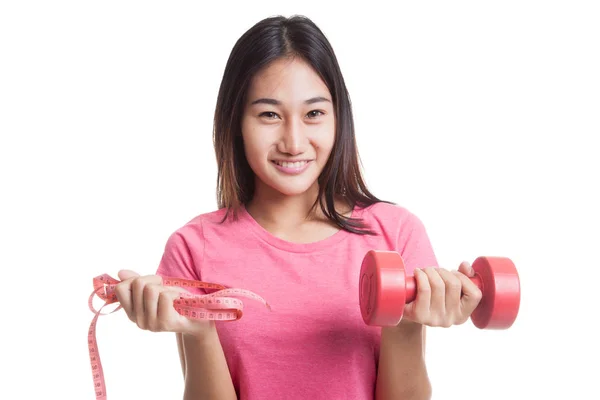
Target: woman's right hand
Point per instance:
(149, 304)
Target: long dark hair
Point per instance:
(269, 40)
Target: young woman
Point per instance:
(293, 223)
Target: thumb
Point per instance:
(466, 268)
(127, 274)
(409, 311)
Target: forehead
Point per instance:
(287, 78)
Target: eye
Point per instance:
(314, 114)
(269, 115)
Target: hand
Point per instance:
(444, 298)
(150, 305)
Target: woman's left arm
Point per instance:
(402, 373)
(444, 298)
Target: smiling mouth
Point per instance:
(288, 164)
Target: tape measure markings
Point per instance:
(215, 306)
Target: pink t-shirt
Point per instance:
(314, 343)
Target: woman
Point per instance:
(294, 221)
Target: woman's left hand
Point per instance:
(444, 298)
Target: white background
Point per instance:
(480, 117)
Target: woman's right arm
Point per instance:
(204, 366)
(149, 304)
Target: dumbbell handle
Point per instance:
(411, 287)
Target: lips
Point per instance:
(291, 164)
(292, 167)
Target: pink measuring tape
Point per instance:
(217, 306)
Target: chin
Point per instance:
(291, 190)
(292, 186)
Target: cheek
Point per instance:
(247, 138)
(324, 140)
(253, 147)
(250, 149)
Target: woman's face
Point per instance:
(288, 126)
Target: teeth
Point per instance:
(295, 165)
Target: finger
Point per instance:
(418, 309)
(168, 318)
(137, 288)
(124, 296)
(438, 292)
(453, 287)
(471, 295)
(151, 294)
(466, 268)
(125, 274)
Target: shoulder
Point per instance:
(390, 216)
(192, 232)
(184, 249)
(405, 231)
(397, 223)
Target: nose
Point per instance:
(293, 140)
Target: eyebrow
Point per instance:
(274, 102)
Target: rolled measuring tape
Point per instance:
(215, 306)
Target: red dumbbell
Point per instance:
(384, 289)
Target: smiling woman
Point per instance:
(283, 99)
(283, 131)
(295, 220)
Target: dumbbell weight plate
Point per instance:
(501, 289)
(382, 288)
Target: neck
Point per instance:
(273, 208)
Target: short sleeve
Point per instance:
(182, 256)
(415, 246)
